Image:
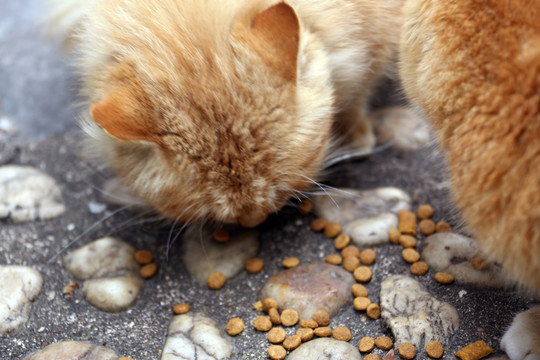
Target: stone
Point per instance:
(364, 215)
(19, 287)
(196, 336)
(309, 288)
(112, 275)
(413, 314)
(73, 350)
(27, 194)
(202, 255)
(452, 253)
(325, 349)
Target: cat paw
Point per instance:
(522, 340)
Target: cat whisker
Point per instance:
(344, 154)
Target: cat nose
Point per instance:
(252, 220)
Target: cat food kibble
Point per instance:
(393, 235)
(269, 303)
(181, 308)
(443, 226)
(305, 334)
(305, 206)
(292, 342)
(350, 263)
(410, 255)
(480, 262)
(274, 316)
(407, 351)
(235, 326)
(362, 274)
(334, 259)
(322, 331)
(368, 256)
(475, 351)
(216, 280)
(289, 317)
(407, 241)
(148, 270)
(277, 352)
(366, 344)
(341, 333)
(373, 311)
(419, 268)
(221, 235)
(384, 342)
(144, 257)
(361, 303)
(426, 227)
(444, 278)
(359, 290)
(407, 222)
(254, 265)
(290, 262)
(425, 211)
(342, 241)
(321, 317)
(332, 229)
(350, 250)
(262, 323)
(318, 224)
(434, 349)
(372, 357)
(276, 335)
(308, 323)
(258, 306)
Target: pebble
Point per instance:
(196, 336)
(413, 314)
(202, 255)
(73, 350)
(318, 350)
(110, 271)
(309, 288)
(453, 254)
(366, 216)
(20, 286)
(28, 194)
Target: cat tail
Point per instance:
(63, 19)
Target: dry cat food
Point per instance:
(444, 278)
(269, 303)
(148, 270)
(277, 352)
(366, 344)
(276, 335)
(359, 290)
(305, 334)
(332, 229)
(274, 316)
(475, 351)
(425, 211)
(373, 311)
(308, 323)
(321, 317)
(216, 280)
(235, 326)
(361, 303)
(434, 349)
(144, 257)
(442, 226)
(371, 357)
(262, 323)
(368, 257)
(290, 262)
(407, 241)
(342, 241)
(334, 259)
(254, 265)
(289, 317)
(221, 235)
(393, 235)
(258, 306)
(426, 227)
(341, 333)
(407, 351)
(384, 342)
(322, 331)
(181, 308)
(350, 250)
(407, 222)
(480, 262)
(362, 274)
(419, 268)
(410, 255)
(292, 342)
(305, 206)
(350, 263)
(318, 224)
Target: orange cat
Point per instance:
(473, 66)
(225, 116)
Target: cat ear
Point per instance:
(278, 28)
(122, 118)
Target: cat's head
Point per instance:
(220, 119)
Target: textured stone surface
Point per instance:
(309, 288)
(202, 255)
(111, 273)
(196, 336)
(73, 350)
(28, 194)
(19, 287)
(453, 253)
(414, 315)
(325, 349)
